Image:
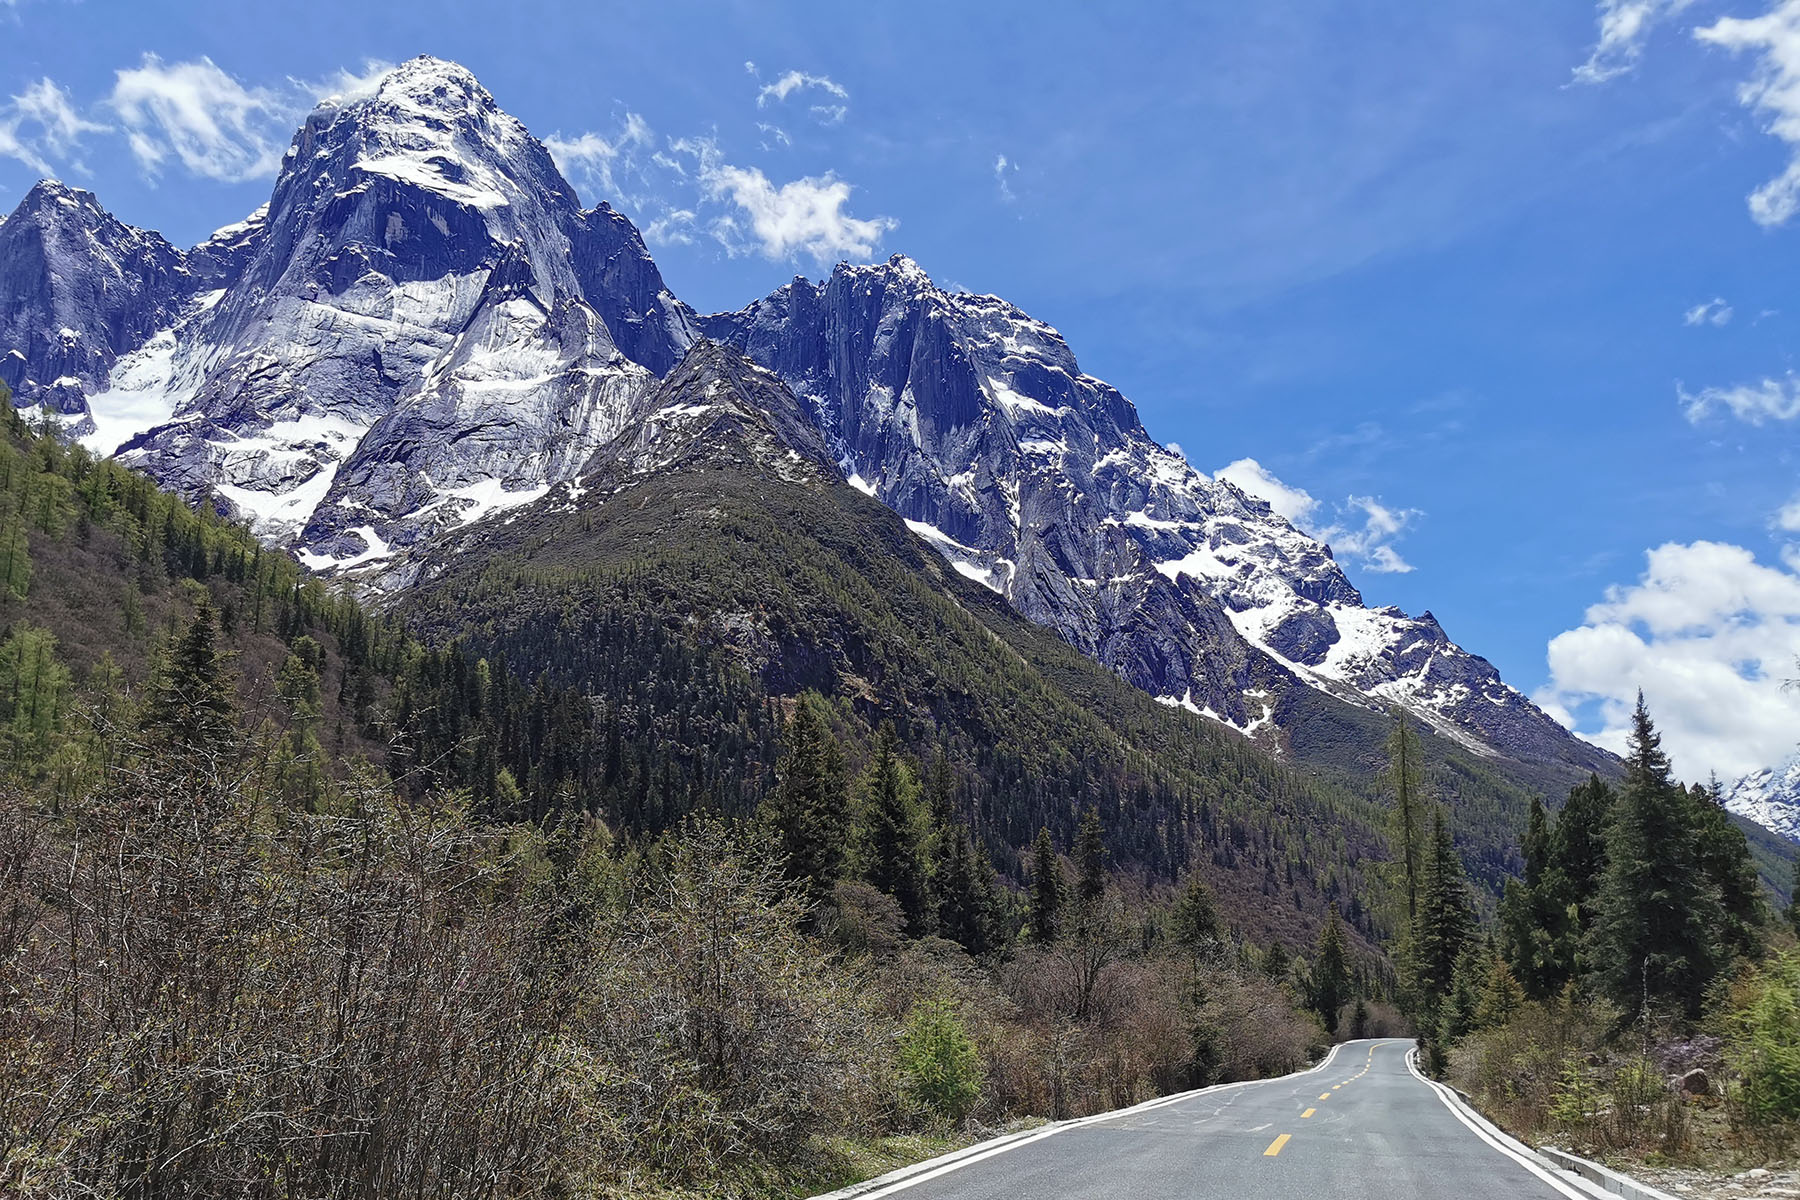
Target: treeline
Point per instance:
(1638, 930)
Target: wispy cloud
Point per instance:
(41, 124)
(1713, 312)
(1753, 403)
(602, 161)
(795, 81)
(1625, 25)
(214, 125)
(803, 216)
(1004, 167)
(1773, 91)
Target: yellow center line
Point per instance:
(1309, 1112)
(1324, 1095)
(1276, 1145)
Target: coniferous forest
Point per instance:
(641, 862)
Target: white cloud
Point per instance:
(1773, 91)
(57, 127)
(673, 228)
(775, 132)
(830, 114)
(1711, 636)
(213, 124)
(1251, 477)
(1003, 167)
(1787, 517)
(1754, 403)
(1713, 312)
(601, 162)
(782, 222)
(1370, 542)
(1362, 529)
(795, 81)
(1625, 25)
(344, 86)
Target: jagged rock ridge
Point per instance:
(423, 327)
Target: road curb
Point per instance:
(1611, 1181)
(901, 1178)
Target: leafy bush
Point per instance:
(939, 1066)
(1764, 1043)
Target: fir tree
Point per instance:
(1446, 920)
(968, 897)
(1793, 910)
(894, 864)
(808, 808)
(1046, 890)
(1194, 923)
(1658, 909)
(1330, 972)
(1725, 857)
(1090, 860)
(1406, 817)
(191, 697)
(1501, 996)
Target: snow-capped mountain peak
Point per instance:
(1770, 797)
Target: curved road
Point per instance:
(1359, 1125)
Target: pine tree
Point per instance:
(894, 864)
(1658, 910)
(1090, 860)
(1501, 996)
(1406, 817)
(1446, 920)
(1537, 927)
(1046, 890)
(968, 897)
(1793, 911)
(1330, 972)
(808, 810)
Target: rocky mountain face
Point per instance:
(423, 327)
(1770, 797)
(974, 421)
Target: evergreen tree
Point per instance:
(894, 862)
(808, 809)
(191, 700)
(1501, 996)
(968, 897)
(1793, 910)
(1330, 972)
(1578, 844)
(1658, 909)
(1446, 920)
(1406, 817)
(1046, 890)
(1536, 925)
(1194, 923)
(1725, 857)
(1090, 860)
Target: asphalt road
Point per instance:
(1361, 1125)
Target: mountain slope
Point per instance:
(1770, 797)
(422, 327)
(974, 421)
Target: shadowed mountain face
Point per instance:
(423, 328)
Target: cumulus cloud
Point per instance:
(214, 125)
(1753, 403)
(802, 216)
(1361, 528)
(41, 125)
(1773, 91)
(1625, 25)
(795, 81)
(1713, 312)
(1254, 479)
(1711, 636)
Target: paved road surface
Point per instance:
(1362, 1125)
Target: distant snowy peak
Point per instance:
(975, 422)
(1770, 797)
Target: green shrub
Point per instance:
(1764, 1026)
(940, 1069)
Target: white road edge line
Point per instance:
(1499, 1140)
(917, 1173)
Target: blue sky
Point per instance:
(1500, 292)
